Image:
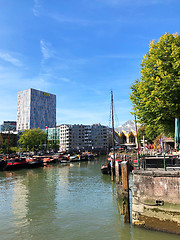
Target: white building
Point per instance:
(83, 137)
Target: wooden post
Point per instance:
(125, 185)
(164, 163)
(117, 171)
(112, 172)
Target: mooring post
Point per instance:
(164, 162)
(112, 169)
(117, 171)
(125, 185)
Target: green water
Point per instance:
(64, 202)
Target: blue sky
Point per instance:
(79, 50)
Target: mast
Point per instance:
(112, 160)
(137, 140)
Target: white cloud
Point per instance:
(9, 58)
(36, 8)
(46, 50)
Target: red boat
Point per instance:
(15, 163)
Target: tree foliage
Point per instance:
(32, 138)
(155, 96)
(142, 131)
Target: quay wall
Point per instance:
(156, 200)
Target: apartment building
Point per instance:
(82, 137)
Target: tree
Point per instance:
(155, 96)
(142, 132)
(31, 139)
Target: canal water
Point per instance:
(64, 202)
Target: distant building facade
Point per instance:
(8, 126)
(80, 137)
(127, 134)
(35, 109)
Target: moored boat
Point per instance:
(15, 163)
(86, 156)
(106, 168)
(63, 158)
(46, 160)
(90, 156)
(34, 162)
(74, 158)
(2, 164)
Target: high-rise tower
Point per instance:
(35, 109)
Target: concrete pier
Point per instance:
(156, 200)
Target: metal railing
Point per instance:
(160, 161)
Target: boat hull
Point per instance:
(106, 169)
(15, 165)
(35, 164)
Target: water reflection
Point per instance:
(64, 202)
(19, 202)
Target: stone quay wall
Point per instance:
(156, 200)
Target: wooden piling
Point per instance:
(117, 171)
(112, 170)
(125, 186)
(124, 173)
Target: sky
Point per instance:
(79, 50)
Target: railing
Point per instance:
(165, 162)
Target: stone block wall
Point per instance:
(156, 200)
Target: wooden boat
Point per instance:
(90, 156)
(49, 159)
(2, 164)
(15, 163)
(34, 162)
(106, 168)
(86, 156)
(63, 158)
(54, 159)
(74, 158)
(46, 160)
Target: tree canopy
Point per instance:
(32, 138)
(156, 95)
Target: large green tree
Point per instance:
(32, 138)
(156, 95)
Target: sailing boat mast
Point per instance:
(137, 140)
(112, 160)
